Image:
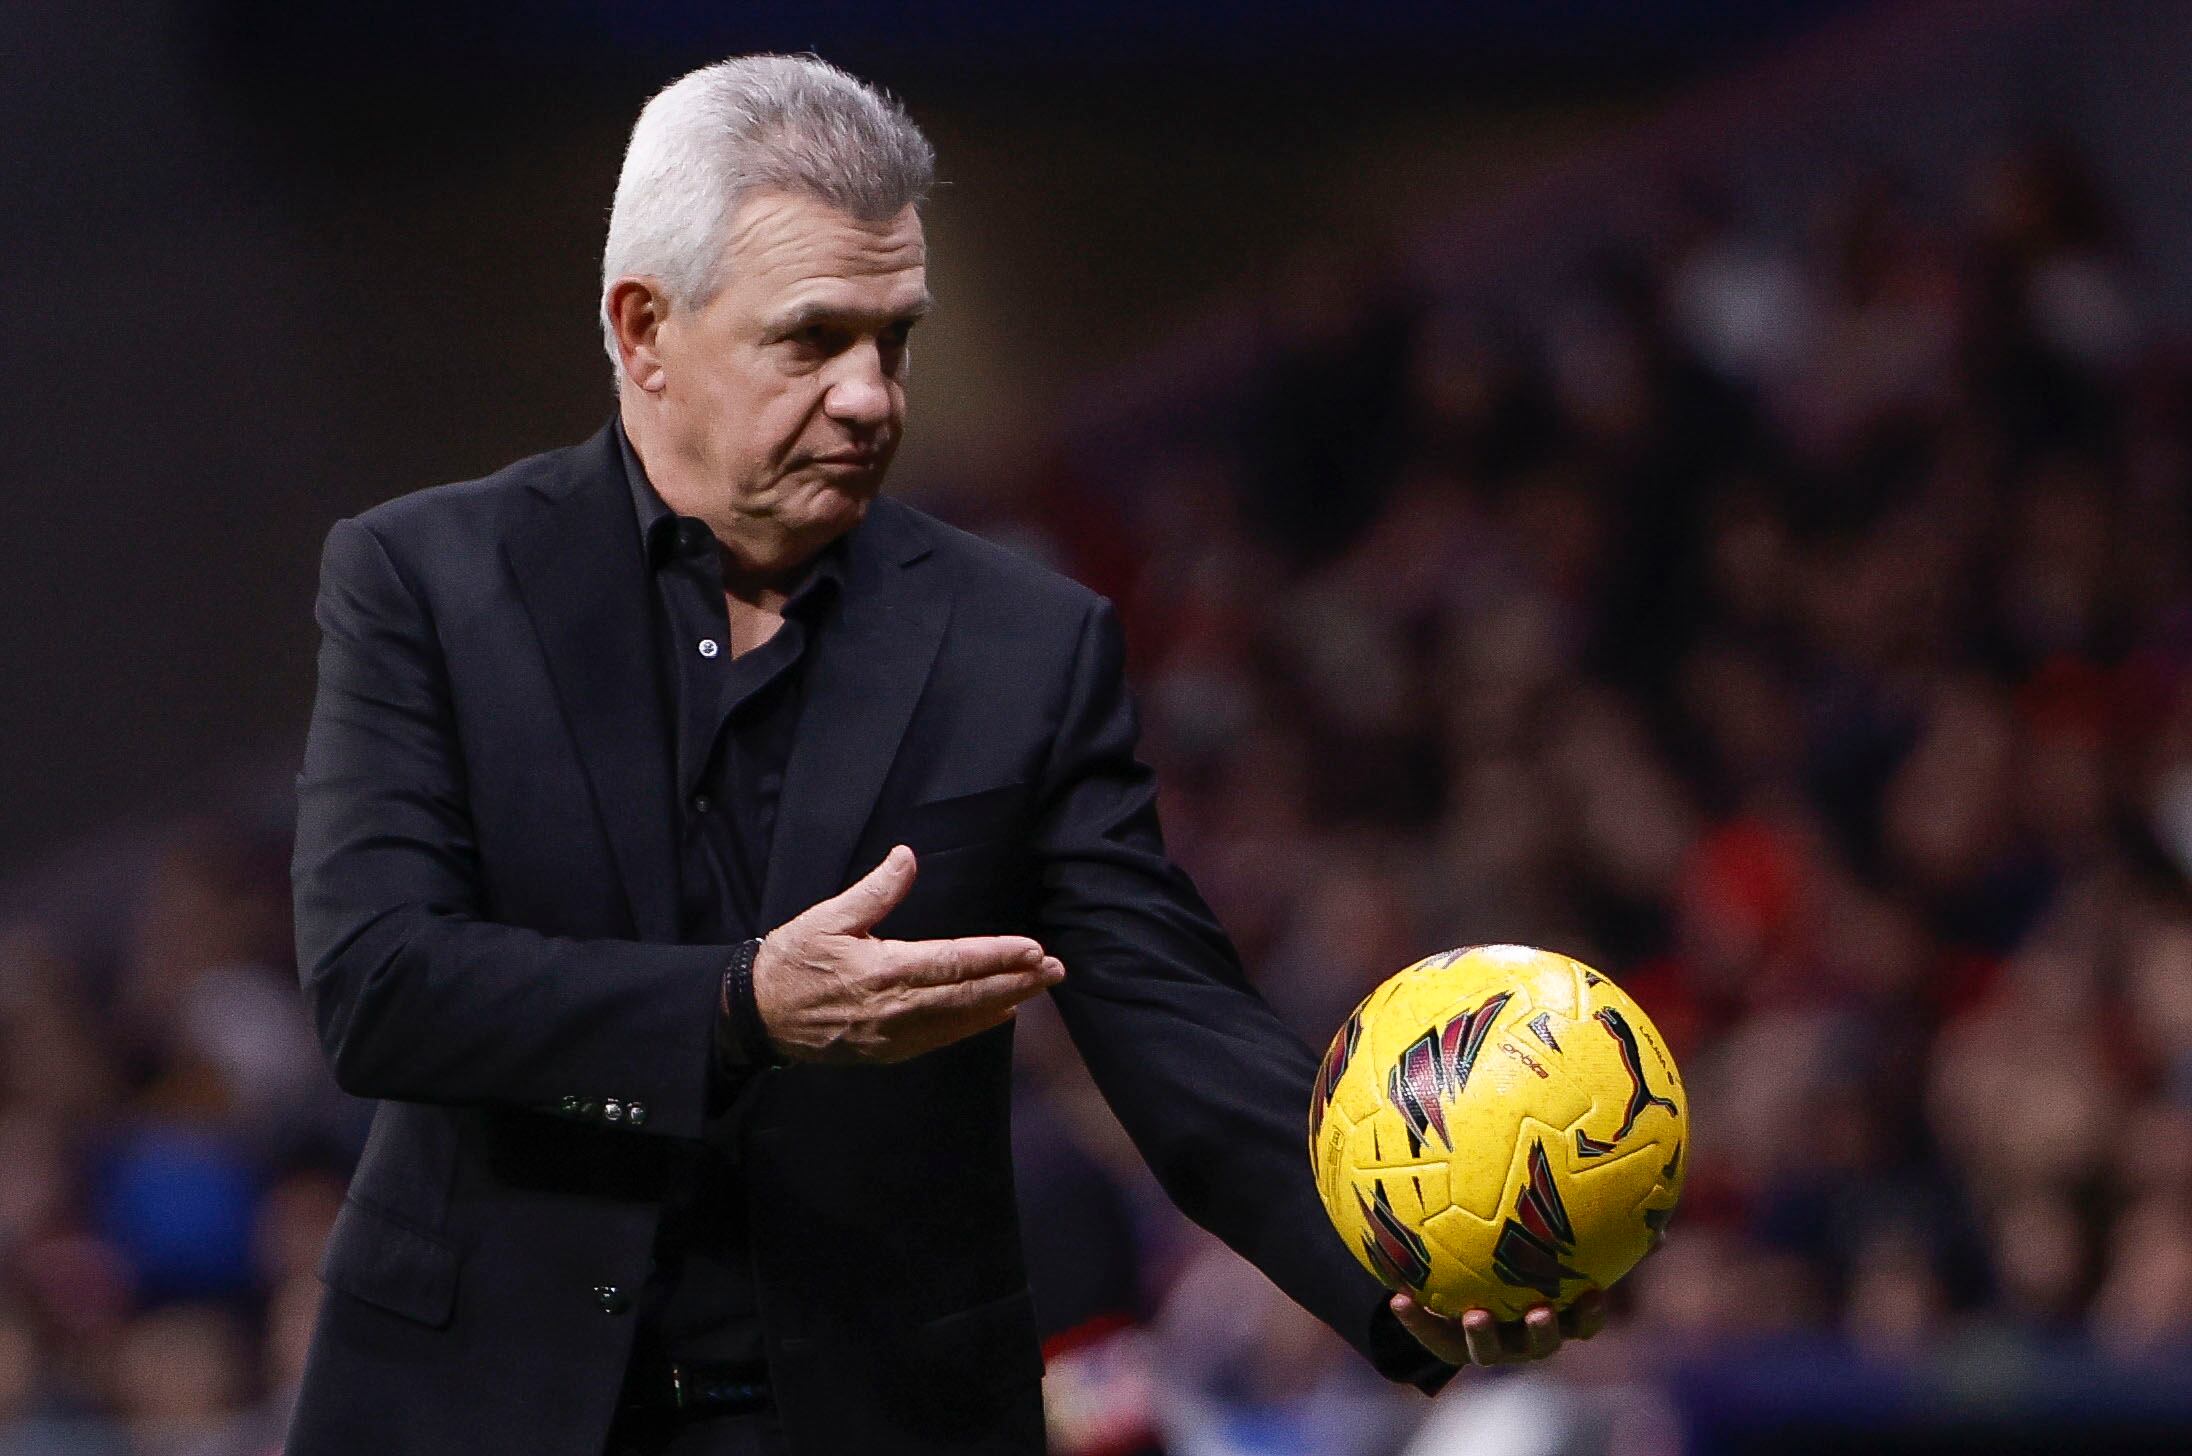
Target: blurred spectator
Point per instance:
(177, 1378)
(2145, 1305)
(1248, 1372)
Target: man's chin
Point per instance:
(850, 503)
(847, 491)
(834, 510)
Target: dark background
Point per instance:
(268, 263)
(1706, 487)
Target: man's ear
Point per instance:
(637, 310)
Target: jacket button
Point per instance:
(635, 1113)
(611, 1300)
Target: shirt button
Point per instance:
(708, 647)
(611, 1300)
(702, 803)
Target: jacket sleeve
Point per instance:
(416, 995)
(1211, 1085)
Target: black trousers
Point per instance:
(638, 1433)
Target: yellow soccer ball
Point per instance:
(1497, 1127)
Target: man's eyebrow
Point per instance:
(807, 315)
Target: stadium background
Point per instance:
(1700, 486)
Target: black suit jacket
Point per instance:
(485, 902)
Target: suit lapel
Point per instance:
(576, 558)
(864, 681)
(577, 562)
(869, 667)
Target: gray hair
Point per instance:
(750, 124)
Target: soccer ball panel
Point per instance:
(1498, 1127)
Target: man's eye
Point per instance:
(815, 341)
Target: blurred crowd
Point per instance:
(1797, 626)
(172, 1154)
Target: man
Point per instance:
(681, 823)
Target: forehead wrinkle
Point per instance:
(775, 231)
(809, 311)
(823, 253)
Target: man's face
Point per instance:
(784, 395)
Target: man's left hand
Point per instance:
(1478, 1339)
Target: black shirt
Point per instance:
(732, 723)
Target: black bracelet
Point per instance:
(750, 1045)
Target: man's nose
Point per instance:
(860, 395)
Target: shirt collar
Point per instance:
(657, 522)
(663, 532)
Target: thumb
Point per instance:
(856, 909)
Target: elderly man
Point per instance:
(681, 823)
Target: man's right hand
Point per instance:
(829, 991)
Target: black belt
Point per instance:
(701, 1389)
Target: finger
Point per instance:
(930, 1033)
(1540, 1331)
(1441, 1336)
(928, 1029)
(968, 958)
(1586, 1317)
(1482, 1332)
(857, 909)
(982, 994)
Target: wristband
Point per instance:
(741, 1039)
